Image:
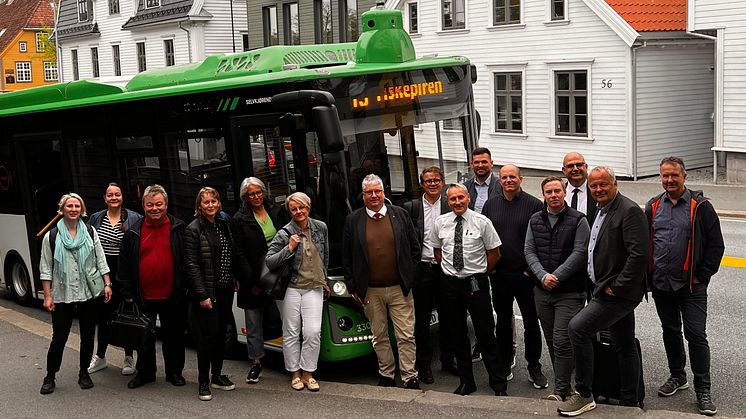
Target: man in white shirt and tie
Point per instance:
(578, 195)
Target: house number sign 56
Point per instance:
(606, 84)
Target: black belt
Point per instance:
(430, 265)
(468, 278)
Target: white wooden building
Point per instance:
(725, 22)
(112, 40)
(622, 83)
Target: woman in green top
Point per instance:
(67, 267)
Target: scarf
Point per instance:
(83, 243)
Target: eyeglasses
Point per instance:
(255, 194)
(432, 181)
(574, 165)
(294, 210)
(374, 192)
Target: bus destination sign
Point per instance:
(399, 94)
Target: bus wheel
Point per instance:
(19, 281)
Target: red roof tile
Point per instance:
(18, 14)
(652, 15)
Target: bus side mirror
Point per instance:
(291, 123)
(328, 129)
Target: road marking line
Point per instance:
(733, 262)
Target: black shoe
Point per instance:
(386, 381)
(140, 380)
(425, 374)
(449, 366)
(412, 384)
(465, 389)
(84, 381)
(177, 380)
(537, 378)
(705, 404)
(254, 374)
(501, 393)
(204, 391)
(222, 382)
(47, 387)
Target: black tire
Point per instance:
(18, 280)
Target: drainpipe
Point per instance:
(189, 40)
(633, 83)
(717, 100)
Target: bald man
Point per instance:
(578, 195)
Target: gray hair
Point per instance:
(68, 196)
(457, 186)
(371, 180)
(154, 190)
(300, 198)
(609, 171)
(251, 181)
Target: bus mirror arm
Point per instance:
(301, 99)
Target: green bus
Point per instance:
(312, 118)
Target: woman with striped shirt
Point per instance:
(110, 224)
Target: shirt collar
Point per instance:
(427, 203)
(602, 210)
(685, 197)
(165, 222)
(382, 211)
(486, 181)
(583, 188)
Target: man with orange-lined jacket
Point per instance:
(686, 245)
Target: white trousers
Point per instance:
(301, 312)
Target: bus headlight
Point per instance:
(339, 288)
(344, 323)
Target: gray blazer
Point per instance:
(278, 253)
(494, 189)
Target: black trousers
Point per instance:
(210, 328)
(104, 312)
(171, 313)
(428, 295)
(505, 288)
(691, 307)
(458, 298)
(62, 320)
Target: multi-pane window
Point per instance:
(23, 71)
(571, 95)
(269, 18)
(454, 14)
(22, 46)
(291, 24)
(557, 9)
(349, 24)
(113, 7)
(322, 16)
(74, 59)
(115, 57)
(453, 124)
(244, 42)
(412, 16)
(50, 71)
(168, 49)
(508, 102)
(141, 61)
(507, 11)
(41, 41)
(82, 10)
(152, 3)
(94, 61)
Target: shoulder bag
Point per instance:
(275, 282)
(129, 327)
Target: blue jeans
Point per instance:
(618, 315)
(672, 307)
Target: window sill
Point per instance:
(507, 27)
(562, 22)
(570, 138)
(452, 31)
(510, 135)
(415, 35)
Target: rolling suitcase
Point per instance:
(606, 382)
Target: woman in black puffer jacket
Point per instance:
(208, 254)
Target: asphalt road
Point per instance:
(24, 344)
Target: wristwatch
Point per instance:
(108, 285)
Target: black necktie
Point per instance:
(458, 246)
(574, 202)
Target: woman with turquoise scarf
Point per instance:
(73, 272)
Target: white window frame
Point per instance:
(453, 30)
(116, 60)
(152, 4)
(577, 65)
(520, 23)
(27, 73)
(165, 51)
(22, 46)
(407, 13)
(111, 9)
(548, 18)
(75, 63)
(507, 68)
(50, 71)
(40, 45)
(267, 24)
(87, 10)
(449, 128)
(144, 66)
(95, 62)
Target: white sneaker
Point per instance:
(129, 366)
(509, 377)
(97, 364)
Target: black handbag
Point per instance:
(275, 282)
(129, 328)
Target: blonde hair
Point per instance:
(206, 191)
(300, 198)
(66, 197)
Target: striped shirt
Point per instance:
(111, 236)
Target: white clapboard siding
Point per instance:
(674, 105)
(731, 16)
(218, 30)
(536, 48)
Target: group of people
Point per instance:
(577, 263)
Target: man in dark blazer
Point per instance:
(484, 184)
(618, 255)
(427, 293)
(380, 251)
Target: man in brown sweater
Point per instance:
(380, 249)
